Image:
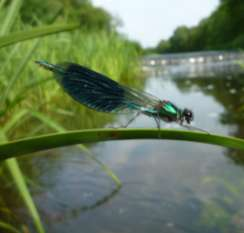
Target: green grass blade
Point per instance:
(9, 56)
(16, 37)
(11, 16)
(18, 71)
(32, 84)
(19, 180)
(2, 3)
(52, 124)
(24, 192)
(29, 145)
(10, 125)
(48, 121)
(21, 94)
(8, 227)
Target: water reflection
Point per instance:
(195, 68)
(168, 186)
(228, 92)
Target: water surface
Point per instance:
(168, 186)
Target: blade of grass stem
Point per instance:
(22, 93)
(59, 128)
(8, 227)
(11, 17)
(2, 3)
(19, 70)
(16, 37)
(44, 142)
(14, 120)
(7, 60)
(24, 192)
(21, 185)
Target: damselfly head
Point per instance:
(187, 115)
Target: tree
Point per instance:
(223, 29)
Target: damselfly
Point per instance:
(100, 93)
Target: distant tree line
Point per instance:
(223, 29)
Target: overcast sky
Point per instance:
(149, 21)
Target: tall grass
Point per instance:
(106, 53)
(29, 96)
(12, 164)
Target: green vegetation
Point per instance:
(34, 144)
(223, 29)
(30, 99)
(32, 104)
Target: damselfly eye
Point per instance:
(188, 115)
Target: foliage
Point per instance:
(22, 94)
(89, 16)
(223, 29)
(25, 93)
(34, 144)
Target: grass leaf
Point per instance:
(19, 180)
(14, 120)
(8, 227)
(18, 71)
(52, 124)
(24, 192)
(11, 16)
(29, 145)
(16, 37)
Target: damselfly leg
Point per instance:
(189, 127)
(131, 120)
(128, 123)
(157, 120)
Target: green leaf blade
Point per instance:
(30, 145)
(16, 37)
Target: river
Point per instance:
(168, 186)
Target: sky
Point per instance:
(149, 21)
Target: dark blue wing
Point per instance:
(97, 91)
(91, 88)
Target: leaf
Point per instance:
(11, 16)
(16, 118)
(19, 180)
(18, 71)
(52, 124)
(49, 141)
(25, 193)
(8, 227)
(16, 37)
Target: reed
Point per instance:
(28, 93)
